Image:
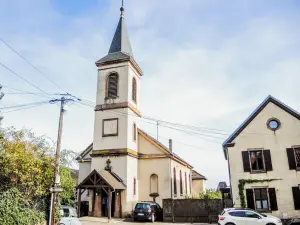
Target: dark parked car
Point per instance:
(150, 211)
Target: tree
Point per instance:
(207, 194)
(27, 163)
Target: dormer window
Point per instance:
(112, 86)
(134, 89)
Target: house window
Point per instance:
(293, 155)
(256, 160)
(297, 157)
(134, 132)
(185, 184)
(153, 183)
(261, 199)
(174, 181)
(112, 86)
(134, 89)
(181, 189)
(134, 186)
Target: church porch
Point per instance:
(105, 189)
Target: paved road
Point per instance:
(100, 221)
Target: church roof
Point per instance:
(98, 178)
(164, 147)
(120, 48)
(197, 176)
(230, 139)
(120, 42)
(149, 137)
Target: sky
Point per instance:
(206, 63)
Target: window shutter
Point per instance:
(291, 158)
(268, 160)
(273, 200)
(250, 199)
(296, 196)
(246, 163)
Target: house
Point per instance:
(263, 157)
(221, 184)
(124, 164)
(198, 183)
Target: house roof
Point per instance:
(197, 176)
(230, 139)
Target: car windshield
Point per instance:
(142, 206)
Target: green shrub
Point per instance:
(14, 211)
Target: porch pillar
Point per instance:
(98, 204)
(109, 203)
(117, 213)
(78, 202)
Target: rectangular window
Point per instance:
(256, 160)
(261, 199)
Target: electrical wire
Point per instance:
(23, 105)
(23, 108)
(33, 66)
(13, 72)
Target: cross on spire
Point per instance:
(122, 9)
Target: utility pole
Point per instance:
(55, 189)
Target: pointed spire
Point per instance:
(120, 42)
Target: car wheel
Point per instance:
(270, 224)
(229, 224)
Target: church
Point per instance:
(124, 164)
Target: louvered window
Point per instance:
(112, 85)
(134, 89)
(297, 157)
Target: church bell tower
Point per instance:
(117, 113)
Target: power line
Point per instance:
(181, 130)
(10, 70)
(33, 66)
(23, 105)
(24, 108)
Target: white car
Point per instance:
(68, 216)
(246, 217)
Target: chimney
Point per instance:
(170, 145)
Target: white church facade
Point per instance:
(124, 164)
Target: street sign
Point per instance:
(56, 189)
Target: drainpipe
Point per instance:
(171, 177)
(171, 153)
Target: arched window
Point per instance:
(134, 132)
(134, 186)
(112, 85)
(134, 89)
(174, 181)
(185, 182)
(181, 191)
(153, 183)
